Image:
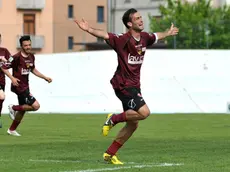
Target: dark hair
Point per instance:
(24, 38)
(127, 16)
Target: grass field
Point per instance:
(73, 143)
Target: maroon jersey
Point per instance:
(3, 53)
(21, 67)
(130, 53)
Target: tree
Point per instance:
(201, 25)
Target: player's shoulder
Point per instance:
(118, 35)
(146, 34)
(3, 49)
(16, 56)
(32, 56)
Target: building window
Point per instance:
(100, 14)
(29, 24)
(70, 11)
(70, 43)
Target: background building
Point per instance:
(49, 22)
(145, 7)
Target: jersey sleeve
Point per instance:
(114, 40)
(7, 54)
(12, 62)
(151, 38)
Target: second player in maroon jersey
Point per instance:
(23, 63)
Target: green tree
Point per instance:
(201, 26)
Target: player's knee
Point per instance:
(144, 113)
(36, 106)
(2, 95)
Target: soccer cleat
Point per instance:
(107, 125)
(0, 122)
(11, 112)
(112, 159)
(13, 132)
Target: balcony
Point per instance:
(30, 4)
(37, 41)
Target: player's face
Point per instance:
(26, 47)
(137, 22)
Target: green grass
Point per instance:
(73, 142)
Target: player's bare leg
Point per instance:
(141, 114)
(129, 115)
(13, 108)
(34, 107)
(2, 98)
(18, 118)
(19, 114)
(123, 135)
(126, 132)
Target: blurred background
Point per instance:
(204, 24)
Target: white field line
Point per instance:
(55, 161)
(127, 167)
(140, 166)
(66, 161)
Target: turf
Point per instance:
(73, 142)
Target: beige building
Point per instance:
(50, 23)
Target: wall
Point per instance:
(172, 81)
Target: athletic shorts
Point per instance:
(131, 98)
(2, 87)
(26, 98)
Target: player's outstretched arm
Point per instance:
(40, 75)
(169, 32)
(84, 25)
(15, 81)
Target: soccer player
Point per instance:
(130, 48)
(22, 64)
(4, 56)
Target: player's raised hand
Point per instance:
(82, 24)
(15, 81)
(173, 30)
(48, 79)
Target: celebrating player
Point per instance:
(22, 64)
(130, 48)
